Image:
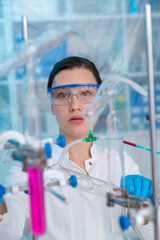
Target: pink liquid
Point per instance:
(36, 191)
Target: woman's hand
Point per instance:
(3, 208)
(138, 186)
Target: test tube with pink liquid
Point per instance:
(37, 206)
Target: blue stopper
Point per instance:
(61, 141)
(13, 142)
(73, 181)
(2, 192)
(48, 150)
(124, 222)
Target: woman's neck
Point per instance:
(80, 152)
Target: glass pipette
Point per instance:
(89, 184)
(138, 146)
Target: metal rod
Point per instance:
(25, 28)
(33, 112)
(25, 33)
(152, 115)
(29, 68)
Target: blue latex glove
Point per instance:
(138, 186)
(2, 192)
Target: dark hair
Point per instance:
(73, 62)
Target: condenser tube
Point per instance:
(89, 184)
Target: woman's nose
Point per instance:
(74, 103)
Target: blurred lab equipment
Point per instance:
(34, 49)
(107, 94)
(27, 149)
(30, 151)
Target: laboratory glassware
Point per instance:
(109, 90)
(37, 207)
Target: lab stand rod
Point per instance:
(152, 114)
(25, 28)
(25, 38)
(31, 85)
(29, 65)
(25, 33)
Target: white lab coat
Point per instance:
(86, 217)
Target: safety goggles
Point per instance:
(62, 95)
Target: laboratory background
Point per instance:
(111, 33)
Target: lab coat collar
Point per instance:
(66, 163)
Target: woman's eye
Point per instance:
(61, 95)
(86, 93)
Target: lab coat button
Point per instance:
(90, 163)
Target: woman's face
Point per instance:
(70, 118)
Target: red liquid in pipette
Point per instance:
(129, 143)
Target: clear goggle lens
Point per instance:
(62, 96)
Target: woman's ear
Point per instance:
(52, 109)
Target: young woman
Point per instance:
(81, 80)
(72, 86)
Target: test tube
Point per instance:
(37, 208)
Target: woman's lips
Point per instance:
(76, 120)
